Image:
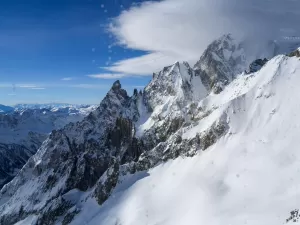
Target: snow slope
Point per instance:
(250, 176)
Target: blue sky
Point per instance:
(47, 49)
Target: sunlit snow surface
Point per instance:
(250, 176)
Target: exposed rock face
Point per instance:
(294, 217)
(220, 63)
(13, 157)
(295, 53)
(256, 65)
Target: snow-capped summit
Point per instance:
(177, 82)
(220, 63)
(116, 85)
(20, 107)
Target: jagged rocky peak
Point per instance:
(117, 89)
(223, 59)
(177, 81)
(116, 85)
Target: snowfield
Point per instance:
(250, 176)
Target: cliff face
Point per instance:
(220, 63)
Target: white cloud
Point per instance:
(30, 86)
(177, 30)
(107, 76)
(27, 86)
(144, 65)
(37, 88)
(67, 78)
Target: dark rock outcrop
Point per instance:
(12, 158)
(256, 65)
(295, 53)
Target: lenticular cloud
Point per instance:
(177, 30)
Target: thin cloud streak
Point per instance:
(67, 78)
(107, 76)
(27, 86)
(38, 88)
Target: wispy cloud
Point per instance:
(107, 76)
(67, 78)
(12, 94)
(26, 86)
(144, 65)
(37, 88)
(30, 86)
(177, 30)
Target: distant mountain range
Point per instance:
(6, 109)
(49, 106)
(24, 128)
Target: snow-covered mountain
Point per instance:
(5, 109)
(204, 145)
(50, 106)
(23, 131)
(220, 63)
